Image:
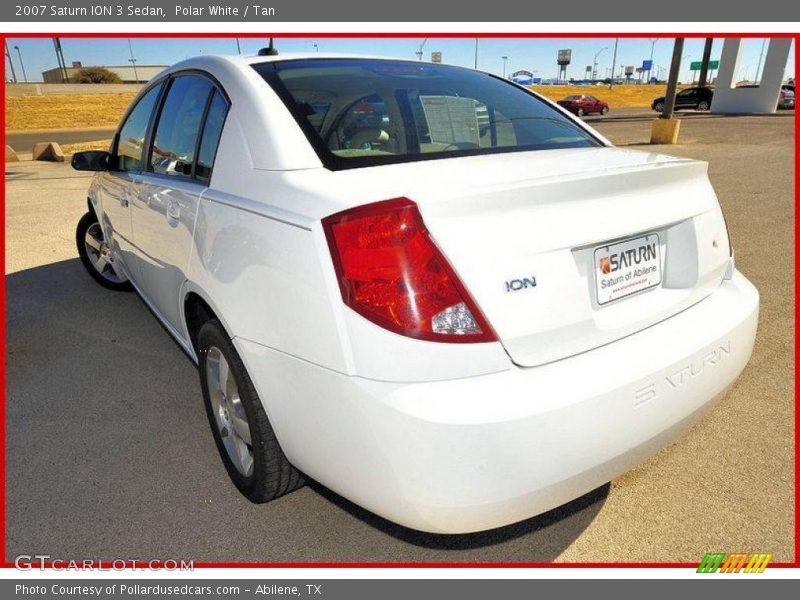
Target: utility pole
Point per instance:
(614, 63)
(11, 63)
(238, 47)
(760, 58)
(62, 65)
(132, 60)
(316, 47)
(21, 64)
(594, 64)
(505, 58)
(421, 46)
(476, 53)
(652, 51)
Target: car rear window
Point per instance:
(362, 112)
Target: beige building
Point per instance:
(126, 73)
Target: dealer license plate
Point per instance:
(626, 268)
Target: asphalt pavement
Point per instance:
(109, 454)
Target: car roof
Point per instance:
(253, 59)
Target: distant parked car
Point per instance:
(696, 98)
(582, 104)
(785, 99)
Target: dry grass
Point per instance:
(622, 96)
(98, 110)
(68, 111)
(80, 147)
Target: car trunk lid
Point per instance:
(525, 232)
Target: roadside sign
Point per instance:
(647, 65)
(629, 71)
(564, 57)
(522, 77)
(697, 65)
(436, 57)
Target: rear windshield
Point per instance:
(358, 112)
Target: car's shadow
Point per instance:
(571, 519)
(109, 454)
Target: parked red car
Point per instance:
(582, 104)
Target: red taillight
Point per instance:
(390, 272)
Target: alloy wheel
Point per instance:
(229, 414)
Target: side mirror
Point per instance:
(91, 160)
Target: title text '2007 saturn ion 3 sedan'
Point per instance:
(433, 291)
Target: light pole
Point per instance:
(316, 47)
(11, 62)
(132, 60)
(238, 47)
(505, 58)
(421, 46)
(594, 64)
(614, 63)
(652, 51)
(476, 53)
(684, 57)
(760, 58)
(21, 64)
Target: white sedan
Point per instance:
(435, 292)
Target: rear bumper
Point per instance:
(476, 453)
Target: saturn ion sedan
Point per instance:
(437, 293)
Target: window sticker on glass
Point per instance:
(451, 119)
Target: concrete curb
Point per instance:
(49, 151)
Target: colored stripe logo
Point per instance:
(714, 562)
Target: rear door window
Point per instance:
(179, 124)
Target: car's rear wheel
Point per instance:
(96, 256)
(703, 105)
(659, 107)
(604, 110)
(580, 112)
(246, 442)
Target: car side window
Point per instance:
(686, 94)
(131, 137)
(179, 125)
(217, 111)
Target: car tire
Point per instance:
(580, 112)
(95, 254)
(604, 110)
(233, 407)
(659, 107)
(703, 105)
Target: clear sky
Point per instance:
(528, 54)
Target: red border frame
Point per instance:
(4, 563)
